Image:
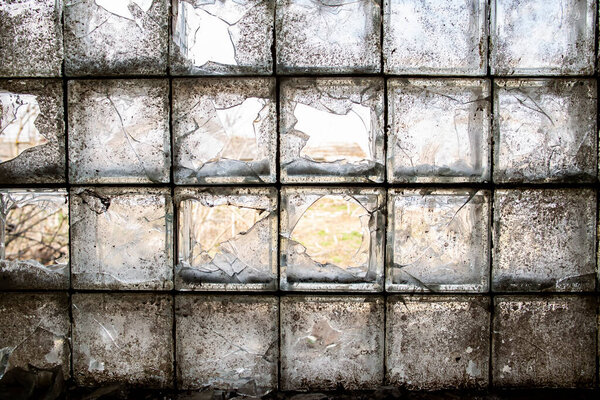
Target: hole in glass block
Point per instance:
(334, 230)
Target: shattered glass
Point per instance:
(438, 240)
(111, 37)
(31, 38)
(213, 354)
(227, 239)
(332, 130)
(122, 238)
(34, 332)
(119, 131)
(331, 343)
(440, 130)
(438, 342)
(31, 131)
(545, 130)
(123, 338)
(224, 130)
(331, 239)
(544, 240)
(540, 37)
(329, 36)
(435, 37)
(34, 239)
(222, 37)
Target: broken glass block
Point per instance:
(439, 130)
(123, 338)
(222, 37)
(119, 131)
(227, 239)
(224, 130)
(34, 333)
(438, 342)
(227, 342)
(122, 238)
(438, 240)
(32, 141)
(545, 130)
(332, 130)
(332, 239)
(339, 36)
(31, 37)
(544, 341)
(544, 240)
(34, 239)
(435, 37)
(540, 37)
(331, 342)
(112, 37)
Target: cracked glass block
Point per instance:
(116, 37)
(332, 239)
(438, 342)
(227, 239)
(222, 37)
(34, 239)
(123, 338)
(332, 130)
(341, 36)
(545, 130)
(228, 343)
(119, 131)
(32, 131)
(438, 240)
(540, 37)
(331, 342)
(31, 37)
(34, 333)
(224, 130)
(544, 240)
(122, 238)
(546, 342)
(435, 37)
(439, 130)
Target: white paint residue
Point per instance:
(121, 7)
(335, 137)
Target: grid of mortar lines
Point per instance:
(490, 185)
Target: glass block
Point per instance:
(122, 238)
(119, 131)
(32, 131)
(545, 240)
(31, 37)
(224, 130)
(438, 342)
(34, 239)
(322, 36)
(545, 130)
(227, 343)
(540, 37)
(222, 37)
(332, 130)
(34, 334)
(116, 37)
(332, 239)
(438, 240)
(123, 338)
(439, 130)
(227, 239)
(435, 37)
(331, 342)
(547, 342)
